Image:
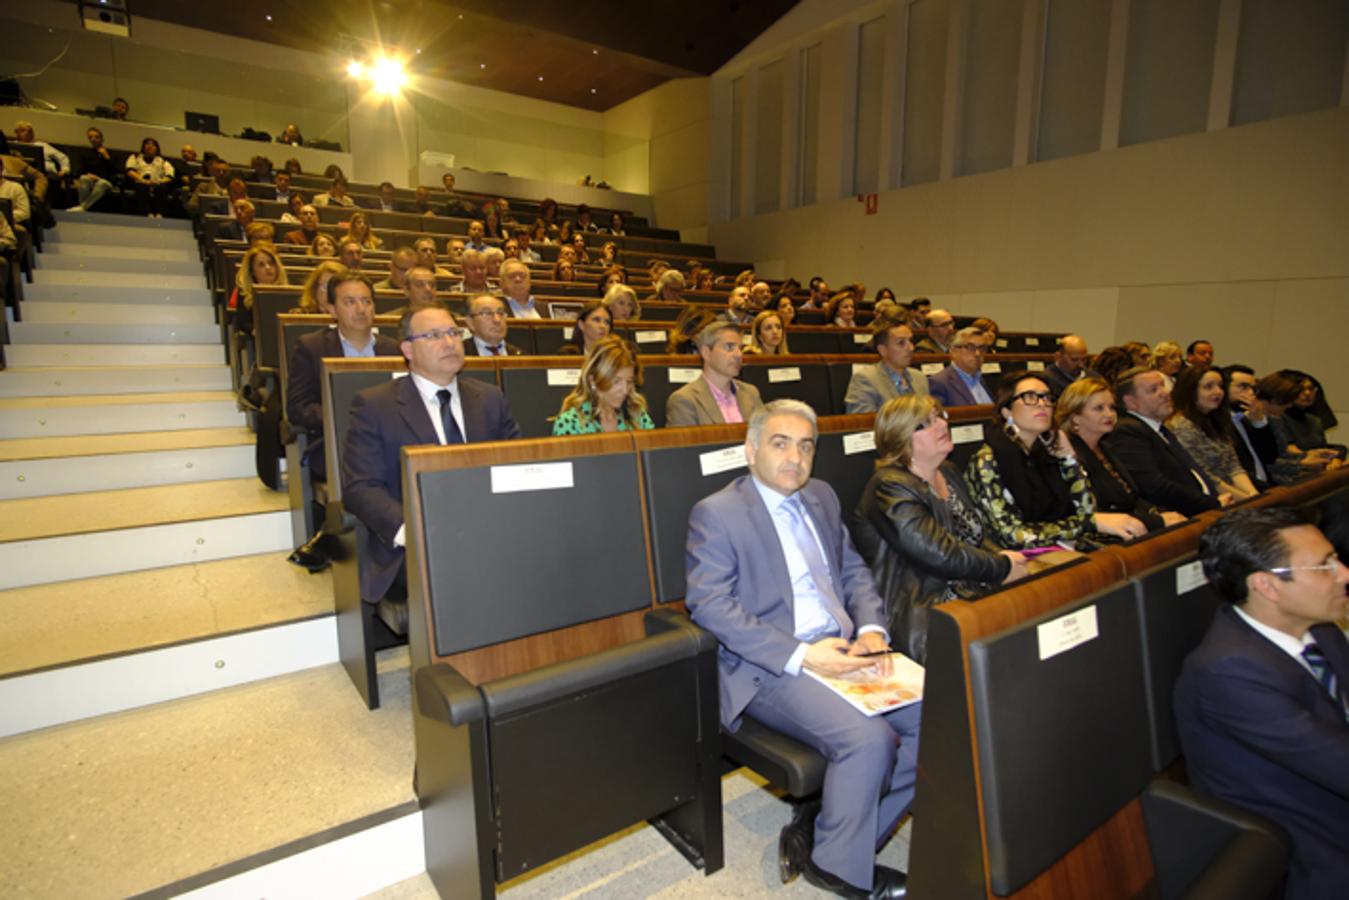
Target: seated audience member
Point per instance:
(1026, 480)
(1199, 353)
(351, 254)
(260, 265)
(617, 226)
(524, 240)
(889, 311)
(777, 527)
(785, 308)
(1070, 364)
(1140, 354)
(475, 237)
(920, 310)
(386, 197)
(237, 189)
(333, 170)
(120, 109)
(425, 248)
(1254, 439)
(54, 162)
(20, 206)
(314, 291)
(871, 386)
(358, 230)
(819, 294)
(419, 289)
(511, 249)
(1166, 474)
(475, 274)
(738, 312)
(565, 232)
(842, 310)
(746, 279)
(593, 325)
(293, 166)
(322, 246)
(707, 281)
(216, 186)
(400, 261)
(548, 211)
(668, 287)
(515, 290)
(1279, 393)
(564, 270)
(421, 201)
(430, 406)
(234, 229)
(351, 301)
(621, 301)
(1110, 363)
(605, 397)
(1166, 359)
(538, 233)
(487, 322)
(260, 170)
(767, 336)
(941, 334)
(1086, 413)
(1203, 425)
(294, 204)
(455, 205)
(97, 171)
(917, 526)
(614, 274)
(886, 294)
(260, 232)
(990, 330)
(291, 135)
(961, 383)
(585, 219)
(309, 227)
(716, 396)
(152, 176)
(760, 296)
(336, 195)
(578, 246)
(1260, 704)
(454, 251)
(491, 223)
(1305, 428)
(690, 322)
(608, 254)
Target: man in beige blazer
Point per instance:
(716, 396)
(872, 386)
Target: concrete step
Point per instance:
(65, 333)
(78, 621)
(102, 444)
(52, 312)
(63, 355)
(66, 381)
(28, 417)
(36, 294)
(114, 259)
(66, 475)
(146, 281)
(146, 257)
(171, 235)
(121, 220)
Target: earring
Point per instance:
(1009, 428)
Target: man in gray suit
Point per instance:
(716, 396)
(871, 386)
(772, 573)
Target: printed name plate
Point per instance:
(531, 477)
(859, 442)
(1067, 632)
(724, 460)
(681, 375)
(564, 377)
(788, 373)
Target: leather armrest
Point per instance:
(446, 696)
(664, 621)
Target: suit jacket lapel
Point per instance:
(414, 412)
(709, 405)
(475, 424)
(767, 533)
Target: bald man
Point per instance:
(1069, 365)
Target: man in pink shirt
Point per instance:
(716, 396)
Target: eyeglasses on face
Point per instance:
(489, 314)
(937, 415)
(1331, 564)
(1035, 398)
(973, 348)
(437, 334)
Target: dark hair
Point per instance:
(582, 210)
(343, 277)
(1185, 399)
(885, 290)
(1232, 368)
(1111, 362)
(1243, 542)
(919, 301)
(405, 323)
(93, 128)
(1006, 393)
(1124, 384)
(150, 140)
(592, 307)
(1190, 349)
(389, 183)
(1278, 388)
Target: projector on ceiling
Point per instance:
(106, 17)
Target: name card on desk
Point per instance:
(862, 338)
(567, 332)
(564, 377)
(402, 374)
(531, 477)
(724, 460)
(966, 434)
(787, 373)
(859, 442)
(931, 368)
(991, 368)
(1066, 632)
(650, 337)
(1032, 342)
(681, 375)
(1002, 343)
(1189, 577)
(1034, 365)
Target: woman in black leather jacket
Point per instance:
(917, 527)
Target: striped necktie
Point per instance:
(1324, 674)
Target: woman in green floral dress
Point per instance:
(605, 397)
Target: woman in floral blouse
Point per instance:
(605, 397)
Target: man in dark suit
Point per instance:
(309, 227)
(487, 322)
(773, 574)
(962, 382)
(1260, 705)
(430, 406)
(234, 230)
(1070, 364)
(353, 303)
(1256, 446)
(1166, 475)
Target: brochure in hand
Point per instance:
(873, 694)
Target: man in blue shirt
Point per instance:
(961, 383)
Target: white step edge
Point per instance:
(66, 382)
(65, 312)
(150, 291)
(68, 333)
(145, 277)
(70, 556)
(70, 693)
(119, 418)
(111, 253)
(71, 262)
(77, 232)
(66, 355)
(348, 868)
(118, 471)
(122, 220)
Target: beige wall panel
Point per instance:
(684, 207)
(679, 158)
(1236, 316)
(1090, 312)
(1303, 333)
(1012, 310)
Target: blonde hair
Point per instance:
(1075, 398)
(243, 279)
(1163, 350)
(896, 424)
(310, 302)
(617, 291)
(601, 367)
(371, 241)
(313, 249)
(755, 345)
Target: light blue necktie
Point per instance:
(819, 572)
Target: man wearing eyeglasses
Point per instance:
(432, 405)
(962, 383)
(1261, 706)
(487, 322)
(941, 329)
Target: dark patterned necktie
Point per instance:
(1324, 674)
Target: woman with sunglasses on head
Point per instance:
(1031, 490)
(917, 526)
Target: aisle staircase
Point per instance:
(171, 710)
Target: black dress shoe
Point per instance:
(797, 840)
(886, 883)
(394, 613)
(308, 559)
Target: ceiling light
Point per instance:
(355, 69)
(540, 78)
(593, 91)
(387, 75)
(269, 18)
(482, 65)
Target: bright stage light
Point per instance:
(387, 75)
(355, 69)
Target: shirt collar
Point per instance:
(1284, 641)
(428, 388)
(971, 380)
(771, 498)
(348, 345)
(1152, 423)
(718, 394)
